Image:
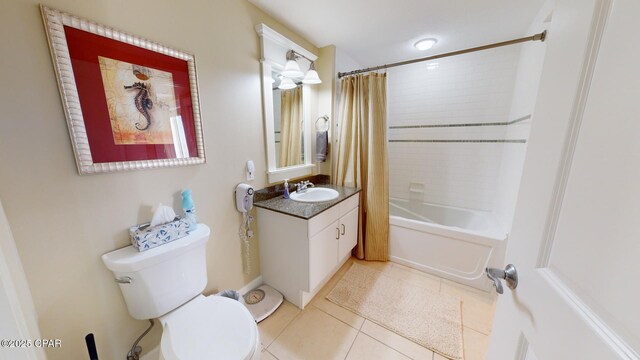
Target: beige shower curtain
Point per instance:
(362, 159)
(291, 127)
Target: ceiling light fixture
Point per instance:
(425, 44)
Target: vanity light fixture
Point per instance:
(311, 77)
(286, 84)
(425, 44)
(292, 69)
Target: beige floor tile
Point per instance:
(395, 341)
(478, 307)
(415, 277)
(266, 355)
(334, 279)
(478, 316)
(314, 335)
(367, 348)
(475, 344)
(272, 326)
(467, 292)
(376, 265)
(439, 357)
(352, 319)
(332, 309)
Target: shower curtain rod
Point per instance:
(537, 37)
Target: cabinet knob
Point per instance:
(337, 233)
(343, 229)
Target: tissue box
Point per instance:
(144, 237)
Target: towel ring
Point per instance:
(325, 125)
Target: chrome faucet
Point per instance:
(303, 185)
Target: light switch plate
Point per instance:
(251, 169)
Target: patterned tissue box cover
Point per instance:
(144, 237)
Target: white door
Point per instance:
(17, 315)
(575, 240)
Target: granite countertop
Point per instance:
(306, 210)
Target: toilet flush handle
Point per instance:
(124, 280)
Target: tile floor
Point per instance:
(326, 331)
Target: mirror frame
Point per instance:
(274, 47)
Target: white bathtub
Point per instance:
(452, 243)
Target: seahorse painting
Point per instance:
(142, 101)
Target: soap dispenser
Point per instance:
(189, 209)
(286, 188)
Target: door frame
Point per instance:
(15, 288)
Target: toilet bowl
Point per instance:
(166, 283)
(212, 327)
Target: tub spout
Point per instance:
(509, 274)
(495, 275)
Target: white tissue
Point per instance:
(162, 215)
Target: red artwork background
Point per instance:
(84, 49)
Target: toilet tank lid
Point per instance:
(129, 259)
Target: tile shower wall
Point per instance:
(435, 163)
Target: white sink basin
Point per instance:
(313, 195)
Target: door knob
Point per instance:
(509, 274)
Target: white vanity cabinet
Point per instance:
(298, 256)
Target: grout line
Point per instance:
(389, 346)
(270, 353)
(351, 347)
(284, 328)
(335, 317)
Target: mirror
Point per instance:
(287, 113)
(288, 124)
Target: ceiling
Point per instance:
(376, 32)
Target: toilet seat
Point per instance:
(212, 327)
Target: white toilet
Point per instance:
(166, 282)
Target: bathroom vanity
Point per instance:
(303, 244)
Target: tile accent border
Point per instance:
(513, 141)
(506, 123)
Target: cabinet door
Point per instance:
(348, 233)
(322, 254)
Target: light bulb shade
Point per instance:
(286, 84)
(292, 69)
(311, 77)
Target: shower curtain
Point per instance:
(291, 127)
(362, 159)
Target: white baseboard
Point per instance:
(251, 285)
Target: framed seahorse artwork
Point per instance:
(130, 103)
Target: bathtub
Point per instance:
(452, 243)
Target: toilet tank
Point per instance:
(158, 280)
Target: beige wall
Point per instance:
(63, 222)
(326, 67)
